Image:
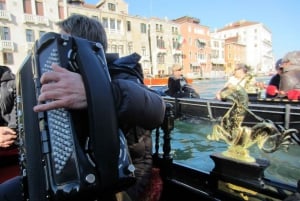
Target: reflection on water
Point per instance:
(190, 147)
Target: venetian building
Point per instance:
(20, 28)
(217, 57)
(195, 47)
(257, 40)
(164, 39)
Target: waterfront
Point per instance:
(190, 146)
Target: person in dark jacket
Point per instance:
(139, 109)
(273, 85)
(7, 116)
(8, 148)
(178, 86)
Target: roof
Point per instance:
(234, 25)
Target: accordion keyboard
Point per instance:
(61, 140)
(59, 127)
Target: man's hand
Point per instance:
(61, 89)
(7, 136)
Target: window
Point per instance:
(111, 7)
(61, 12)
(159, 28)
(113, 48)
(128, 26)
(160, 59)
(5, 33)
(41, 33)
(39, 8)
(95, 17)
(112, 23)
(119, 25)
(143, 28)
(121, 49)
(27, 6)
(105, 22)
(160, 42)
(130, 48)
(8, 58)
(144, 51)
(176, 59)
(29, 35)
(174, 30)
(2, 5)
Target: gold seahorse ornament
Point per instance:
(268, 136)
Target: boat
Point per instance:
(280, 111)
(159, 82)
(229, 180)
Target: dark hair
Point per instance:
(84, 27)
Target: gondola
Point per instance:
(279, 110)
(229, 180)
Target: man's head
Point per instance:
(291, 58)
(84, 27)
(242, 67)
(278, 64)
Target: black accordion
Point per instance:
(66, 154)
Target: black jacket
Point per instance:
(136, 103)
(139, 111)
(7, 97)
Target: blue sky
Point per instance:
(281, 17)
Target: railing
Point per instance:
(36, 19)
(6, 45)
(5, 15)
(164, 160)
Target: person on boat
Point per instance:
(241, 76)
(66, 90)
(290, 78)
(273, 85)
(7, 119)
(178, 86)
(8, 148)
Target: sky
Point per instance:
(281, 17)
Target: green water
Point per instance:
(190, 147)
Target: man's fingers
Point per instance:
(49, 105)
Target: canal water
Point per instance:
(190, 146)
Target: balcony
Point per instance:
(6, 45)
(35, 19)
(5, 15)
(176, 51)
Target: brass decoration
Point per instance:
(266, 134)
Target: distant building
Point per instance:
(256, 39)
(160, 42)
(195, 47)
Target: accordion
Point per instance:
(65, 154)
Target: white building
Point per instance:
(258, 42)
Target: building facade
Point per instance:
(160, 42)
(257, 42)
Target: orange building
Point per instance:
(195, 47)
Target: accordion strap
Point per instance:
(101, 109)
